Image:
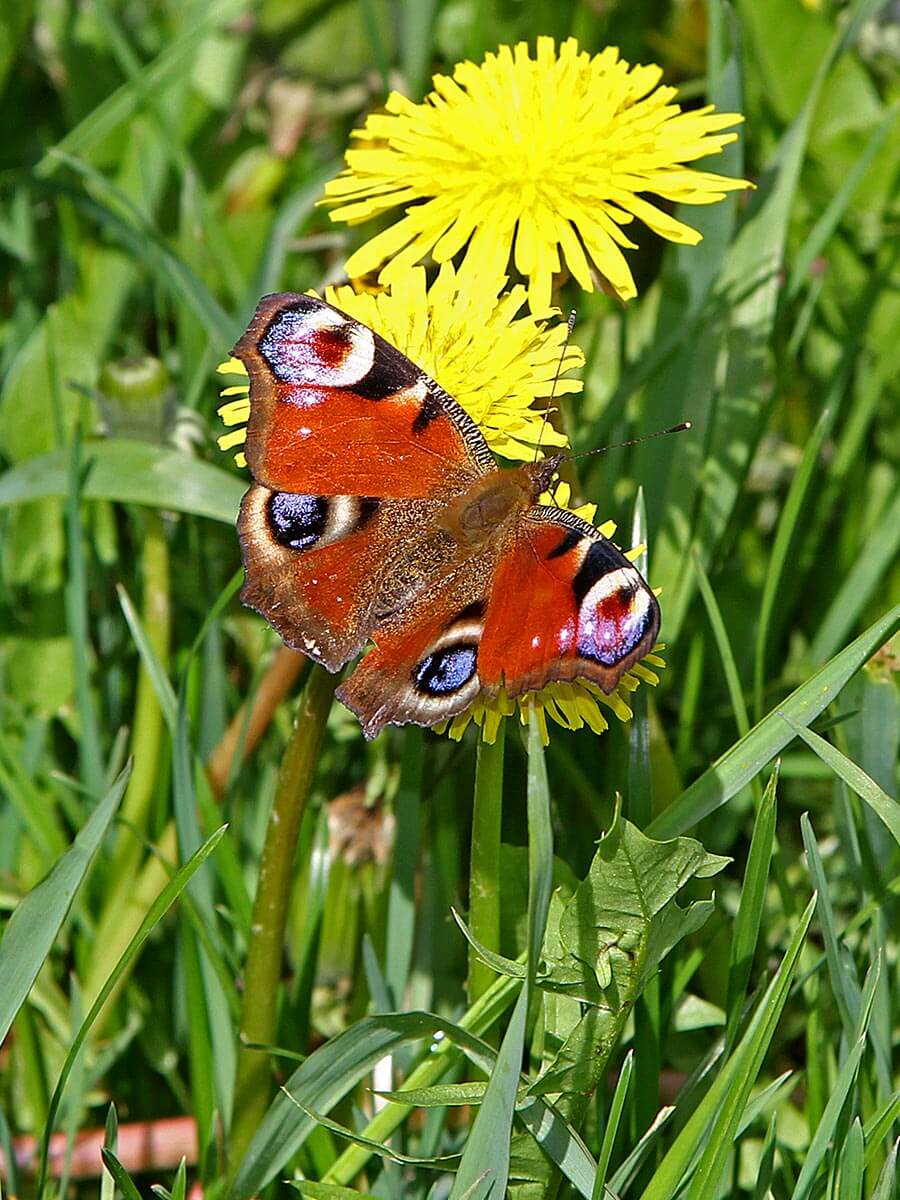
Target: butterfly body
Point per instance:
(378, 513)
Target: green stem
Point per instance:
(146, 741)
(253, 1084)
(479, 1018)
(147, 727)
(484, 861)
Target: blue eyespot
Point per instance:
(446, 670)
(297, 521)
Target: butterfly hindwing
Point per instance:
(337, 410)
(423, 667)
(320, 569)
(565, 604)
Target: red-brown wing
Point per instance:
(336, 410)
(565, 604)
(318, 568)
(423, 667)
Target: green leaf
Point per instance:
(851, 1164)
(33, 927)
(326, 1077)
(723, 645)
(879, 1126)
(358, 1139)
(440, 1095)
(626, 914)
(131, 473)
(746, 758)
(884, 806)
(829, 220)
(126, 1184)
(153, 79)
(789, 523)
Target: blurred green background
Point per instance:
(158, 173)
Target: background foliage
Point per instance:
(160, 167)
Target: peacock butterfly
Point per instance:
(377, 513)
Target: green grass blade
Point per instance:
(841, 969)
(484, 859)
(126, 1184)
(612, 1126)
(332, 1070)
(884, 806)
(401, 916)
(328, 1191)
(885, 1188)
(828, 222)
(750, 910)
(168, 67)
(877, 556)
(821, 1140)
(122, 218)
(880, 1125)
(737, 766)
(713, 1123)
(159, 678)
(76, 603)
(158, 909)
(766, 1163)
(33, 927)
(625, 1174)
(851, 1164)
(786, 535)
(723, 645)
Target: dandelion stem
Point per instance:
(253, 1085)
(484, 862)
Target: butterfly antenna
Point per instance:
(570, 326)
(631, 442)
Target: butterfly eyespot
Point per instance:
(614, 616)
(297, 521)
(446, 670)
(306, 345)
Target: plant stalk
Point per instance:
(262, 975)
(484, 861)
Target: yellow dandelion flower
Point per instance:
(540, 160)
(500, 364)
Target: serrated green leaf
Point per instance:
(626, 910)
